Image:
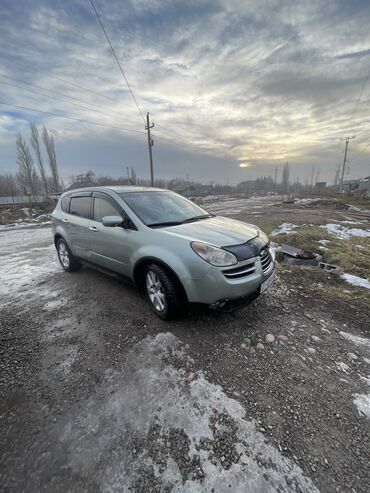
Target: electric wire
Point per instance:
(116, 58)
(71, 118)
(61, 96)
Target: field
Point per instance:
(97, 394)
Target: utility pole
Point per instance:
(347, 139)
(150, 145)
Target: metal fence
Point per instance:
(22, 199)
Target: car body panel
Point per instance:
(110, 247)
(217, 231)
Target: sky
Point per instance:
(235, 88)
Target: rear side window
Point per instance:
(65, 204)
(80, 206)
(104, 208)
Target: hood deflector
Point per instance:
(246, 250)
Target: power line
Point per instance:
(52, 76)
(116, 58)
(360, 95)
(362, 150)
(60, 98)
(71, 118)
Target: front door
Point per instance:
(110, 247)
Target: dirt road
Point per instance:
(97, 394)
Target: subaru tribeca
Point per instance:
(172, 249)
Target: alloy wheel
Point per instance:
(63, 255)
(155, 291)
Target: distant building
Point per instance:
(364, 187)
(320, 185)
(359, 187)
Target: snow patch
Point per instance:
(26, 256)
(306, 201)
(344, 233)
(356, 281)
(362, 402)
(165, 399)
(324, 242)
(285, 229)
(342, 366)
(359, 341)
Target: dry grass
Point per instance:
(361, 203)
(353, 254)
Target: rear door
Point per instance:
(110, 247)
(79, 217)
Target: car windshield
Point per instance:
(158, 209)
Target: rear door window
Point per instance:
(104, 208)
(80, 206)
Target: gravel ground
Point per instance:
(97, 394)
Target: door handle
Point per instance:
(65, 220)
(93, 228)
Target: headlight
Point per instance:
(213, 255)
(263, 236)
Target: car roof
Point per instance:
(116, 189)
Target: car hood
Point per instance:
(217, 231)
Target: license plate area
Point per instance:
(266, 284)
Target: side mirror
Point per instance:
(112, 221)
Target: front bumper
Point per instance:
(217, 286)
(231, 305)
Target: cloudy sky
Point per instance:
(235, 88)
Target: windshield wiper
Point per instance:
(168, 223)
(198, 218)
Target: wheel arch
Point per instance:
(58, 237)
(139, 268)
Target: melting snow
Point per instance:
(23, 260)
(167, 401)
(285, 229)
(343, 233)
(356, 281)
(306, 201)
(342, 366)
(362, 402)
(359, 341)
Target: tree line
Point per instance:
(37, 169)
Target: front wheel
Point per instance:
(66, 259)
(162, 293)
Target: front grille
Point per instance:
(241, 271)
(266, 260)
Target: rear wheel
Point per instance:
(162, 292)
(66, 259)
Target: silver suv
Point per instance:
(173, 250)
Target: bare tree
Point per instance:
(36, 147)
(8, 185)
(26, 168)
(52, 158)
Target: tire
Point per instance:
(66, 259)
(162, 292)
